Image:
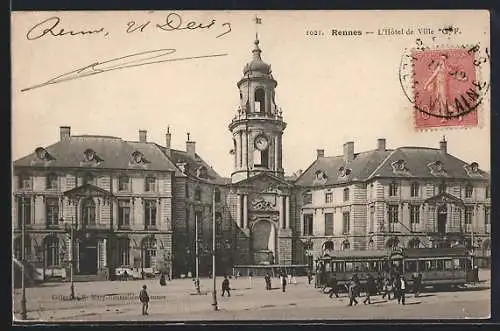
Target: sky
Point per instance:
(332, 89)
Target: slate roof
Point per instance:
(114, 152)
(193, 164)
(376, 164)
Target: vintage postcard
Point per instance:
(267, 165)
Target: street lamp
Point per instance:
(214, 294)
(69, 229)
(23, 257)
(197, 258)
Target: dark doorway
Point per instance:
(88, 257)
(442, 215)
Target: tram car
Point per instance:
(437, 266)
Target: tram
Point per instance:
(437, 266)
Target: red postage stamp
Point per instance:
(445, 88)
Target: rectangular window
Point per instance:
(393, 214)
(123, 214)
(23, 211)
(150, 184)
(52, 210)
(308, 225)
(51, 183)
(24, 182)
(487, 219)
(346, 194)
(328, 224)
(469, 212)
(346, 222)
(469, 190)
(414, 214)
(414, 190)
(307, 198)
(217, 195)
(150, 213)
(349, 267)
(448, 265)
(124, 183)
(393, 189)
(328, 197)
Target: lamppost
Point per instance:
(197, 253)
(70, 229)
(23, 257)
(214, 294)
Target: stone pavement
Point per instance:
(117, 301)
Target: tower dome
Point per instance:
(257, 65)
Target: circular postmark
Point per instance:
(445, 82)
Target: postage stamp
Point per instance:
(445, 85)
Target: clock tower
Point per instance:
(258, 125)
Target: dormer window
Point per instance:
(320, 177)
(473, 169)
(89, 155)
(42, 154)
(343, 172)
(202, 172)
(437, 168)
(183, 167)
(399, 166)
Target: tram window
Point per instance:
(358, 266)
(333, 265)
(373, 266)
(327, 267)
(430, 265)
(340, 266)
(440, 265)
(456, 264)
(422, 266)
(448, 265)
(365, 266)
(349, 267)
(411, 266)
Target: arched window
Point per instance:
(51, 183)
(346, 245)
(260, 100)
(88, 211)
(123, 183)
(52, 251)
(328, 246)
(149, 252)
(371, 244)
(392, 242)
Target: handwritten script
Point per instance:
(53, 27)
(119, 63)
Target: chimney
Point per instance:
(348, 151)
(320, 153)
(143, 136)
(65, 132)
(381, 144)
(168, 139)
(190, 146)
(443, 145)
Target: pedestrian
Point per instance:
(352, 293)
(418, 287)
(309, 277)
(144, 298)
(267, 278)
(387, 289)
(402, 290)
(334, 287)
(163, 281)
(476, 274)
(397, 288)
(283, 282)
(371, 288)
(250, 276)
(225, 287)
(380, 283)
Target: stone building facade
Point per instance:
(144, 206)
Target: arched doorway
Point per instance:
(442, 215)
(327, 247)
(263, 242)
(88, 255)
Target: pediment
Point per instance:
(88, 190)
(444, 198)
(265, 183)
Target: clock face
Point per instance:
(261, 143)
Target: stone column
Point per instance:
(98, 211)
(105, 253)
(287, 212)
(276, 152)
(281, 204)
(245, 211)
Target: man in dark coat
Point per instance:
(144, 298)
(267, 278)
(334, 288)
(352, 293)
(371, 289)
(225, 287)
(283, 282)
